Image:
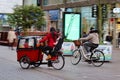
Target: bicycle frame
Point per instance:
(82, 50)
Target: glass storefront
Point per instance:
(3, 20)
(87, 21)
(111, 23)
(52, 17)
(117, 20)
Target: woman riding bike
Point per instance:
(92, 41)
(51, 38)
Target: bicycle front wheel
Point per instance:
(24, 62)
(97, 58)
(59, 63)
(76, 57)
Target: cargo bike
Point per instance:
(29, 53)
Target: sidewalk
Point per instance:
(116, 54)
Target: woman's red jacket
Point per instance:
(50, 40)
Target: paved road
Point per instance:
(11, 70)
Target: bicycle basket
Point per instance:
(77, 42)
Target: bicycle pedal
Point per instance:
(87, 60)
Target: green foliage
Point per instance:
(26, 16)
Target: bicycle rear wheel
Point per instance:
(76, 57)
(98, 58)
(59, 63)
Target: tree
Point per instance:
(26, 16)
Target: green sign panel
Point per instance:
(72, 25)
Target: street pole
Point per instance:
(114, 33)
(99, 21)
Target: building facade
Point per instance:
(94, 13)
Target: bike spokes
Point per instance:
(98, 58)
(59, 62)
(76, 57)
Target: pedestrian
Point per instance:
(11, 38)
(84, 34)
(18, 32)
(108, 39)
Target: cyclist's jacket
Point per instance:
(92, 37)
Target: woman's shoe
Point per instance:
(48, 57)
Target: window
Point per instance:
(45, 2)
(54, 15)
(52, 2)
(26, 43)
(37, 41)
(87, 20)
(76, 0)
